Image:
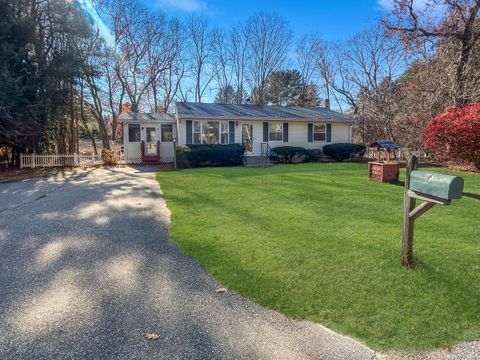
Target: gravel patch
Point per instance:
(466, 351)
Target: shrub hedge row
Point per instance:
(232, 154)
(289, 154)
(342, 152)
(209, 155)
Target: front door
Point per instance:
(151, 143)
(247, 137)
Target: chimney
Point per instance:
(327, 104)
(126, 107)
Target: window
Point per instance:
(151, 134)
(210, 132)
(133, 132)
(319, 132)
(197, 132)
(275, 132)
(224, 132)
(167, 132)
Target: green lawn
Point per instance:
(321, 242)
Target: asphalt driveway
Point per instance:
(87, 269)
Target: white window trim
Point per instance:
(281, 132)
(201, 122)
(173, 134)
(146, 134)
(195, 132)
(128, 134)
(313, 133)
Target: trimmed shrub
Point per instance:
(315, 154)
(109, 157)
(189, 156)
(455, 135)
(342, 152)
(289, 154)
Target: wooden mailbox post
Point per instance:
(432, 189)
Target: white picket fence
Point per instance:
(53, 160)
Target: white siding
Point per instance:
(297, 134)
(132, 150)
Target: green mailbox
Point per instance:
(438, 185)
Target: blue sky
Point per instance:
(333, 19)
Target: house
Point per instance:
(149, 137)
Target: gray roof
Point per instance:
(146, 117)
(189, 110)
(385, 144)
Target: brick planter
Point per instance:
(383, 172)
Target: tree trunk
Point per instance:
(459, 95)
(72, 131)
(85, 124)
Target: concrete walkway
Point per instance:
(87, 269)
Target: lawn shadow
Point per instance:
(472, 195)
(90, 269)
(276, 169)
(327, 192)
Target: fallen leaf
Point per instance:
(152, 336)
(221, 290)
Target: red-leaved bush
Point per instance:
(455, 135)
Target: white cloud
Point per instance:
(184, 5)
(385, 4)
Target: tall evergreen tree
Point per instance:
(40, 64)
(226, 95)
(288, 88)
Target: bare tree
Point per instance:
(92, 101)
(306, 52)
(170, 67)
(333, 65)
(113, 90)
(200, 51)
(83, 118)
(170, 82)
(363, 72)
(315, 61)
(223, 61)
(269, 40)
(143, 40)
(457, 23)
(238, 55)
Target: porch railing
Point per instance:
(265, 149)
(146, 156)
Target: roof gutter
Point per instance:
(242, 118)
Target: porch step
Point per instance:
(257, 161)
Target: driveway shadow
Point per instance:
(88, 269)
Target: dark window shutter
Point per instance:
(189, 139)
(265, 132)
(310, 132)
(231, 132)
(285, 132)
(329, 132)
